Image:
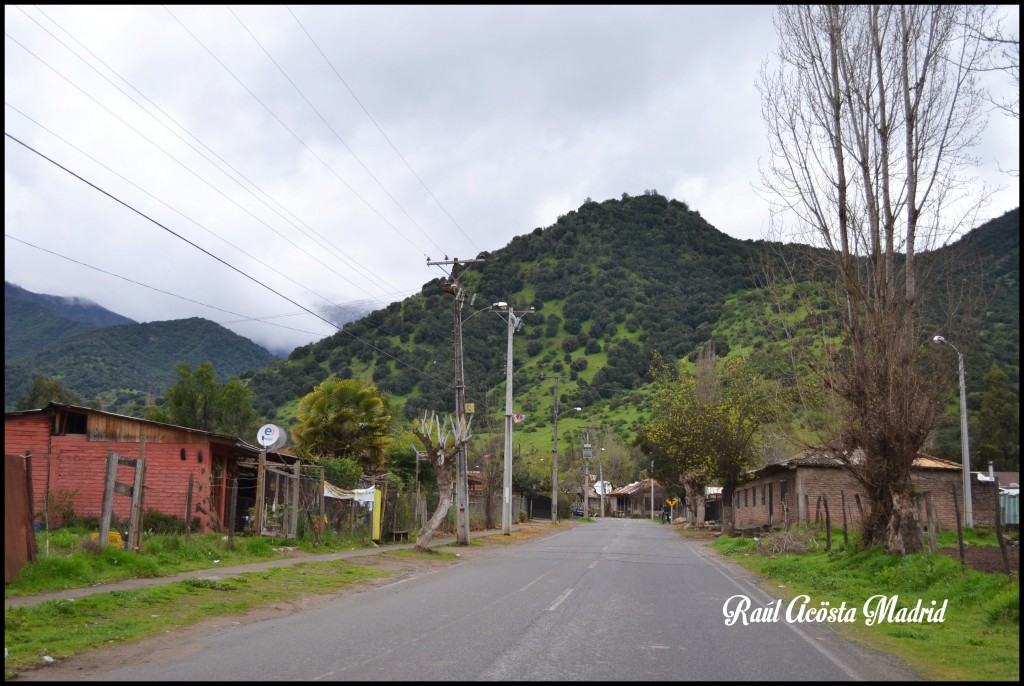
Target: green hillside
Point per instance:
(611, 283)
(121, 364)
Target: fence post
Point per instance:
(828, 523)
(933, 521)
(232, 504)
(959, 531)
(108, 497)
(846, 536)
(188, 507)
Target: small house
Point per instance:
(69, 447)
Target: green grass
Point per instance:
(65, 560)
(978, 639)
(64, 628)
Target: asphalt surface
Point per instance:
(214, 573)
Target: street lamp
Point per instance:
(964, 443)
(514, 323)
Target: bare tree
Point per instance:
(441, 445)
(872, 111)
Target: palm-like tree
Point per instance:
(343, 418)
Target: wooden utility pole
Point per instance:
(461, 468)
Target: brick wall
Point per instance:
(803, 487)
(70, 469)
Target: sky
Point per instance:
(253, 165)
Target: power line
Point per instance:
(218, 259)
(339, 254)
(182, 164)
(336, 134)
(296, 136)
(370, 116)
(158, 290)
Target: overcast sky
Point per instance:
(251, 161)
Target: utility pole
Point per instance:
(461, 469)
(554, 456)
(586, 474)
(514, 323)
(554, 450)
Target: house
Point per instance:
(795, 490)
(635, 499)
(69, 445)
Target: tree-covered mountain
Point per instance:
(124, 363)
(33, 321)
(611, 284)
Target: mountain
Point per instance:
(611, 283)
(33, 321)
(123, 363)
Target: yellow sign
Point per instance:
(470, 408)
(671, 502)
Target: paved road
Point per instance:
(612, 600)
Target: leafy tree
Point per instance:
(999, 423)
(46, 390)
(343, 418)
(199, 400)
(708, 428)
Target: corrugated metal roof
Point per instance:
(635, 487)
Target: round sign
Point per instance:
(268, 436)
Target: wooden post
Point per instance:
(323, 504)
(807, 509)
(846, 535)
(31, 533)
(231, 511)
(933, 521)
(294, 530)
(188, 506)
(817, 516)
(860, 508)
(135, 525)
(959, 531)
(261, 478)
(828, 523)
(108, 497)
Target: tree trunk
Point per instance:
(728, 523)
(903, 534)
(445, 488)
(694, 503)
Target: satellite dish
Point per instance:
(271, 436)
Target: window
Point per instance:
(68, 422)
(745, 497)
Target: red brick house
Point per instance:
(69, 445)
(786, 493)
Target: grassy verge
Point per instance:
(978, 638)
(68, 559)
(63, 628)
